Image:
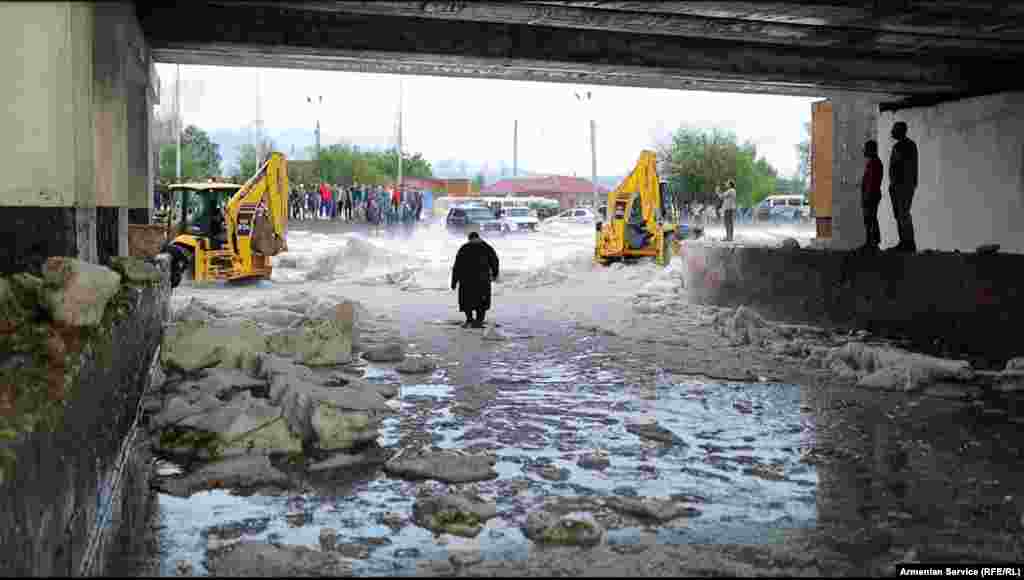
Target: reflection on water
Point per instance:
(757, 461)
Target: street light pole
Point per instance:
(593, 150)
(177, 120)
(400, 135)
(593, 163)
(319, 101)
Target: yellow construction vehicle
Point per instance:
(223, 231)
(637, 223)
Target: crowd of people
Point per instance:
(375, 205)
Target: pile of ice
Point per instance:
(551, 274)
(321, 257)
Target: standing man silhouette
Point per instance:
(902, 183)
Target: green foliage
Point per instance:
(803, 149)
(200, 157)
(700, 160)
(248, 162)
(478, 182)
(341, 163)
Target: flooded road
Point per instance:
(755, 463)
(833, 479)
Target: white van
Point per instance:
(783, 206)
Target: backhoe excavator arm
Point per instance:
(259, 210)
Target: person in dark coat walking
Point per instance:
(476, 265)
(902, 183)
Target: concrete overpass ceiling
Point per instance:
(929, 49)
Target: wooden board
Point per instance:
(821, 158)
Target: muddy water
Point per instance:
(548, 411)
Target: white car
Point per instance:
(519, 219)
(576, 215)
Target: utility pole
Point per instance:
(400, 134)
(593, 162)
(177, 119)
(319, 101)
(515, 149)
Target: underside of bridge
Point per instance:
(926, 50)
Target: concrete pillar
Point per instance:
(76, 124)
(855, 120)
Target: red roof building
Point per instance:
(567, 191)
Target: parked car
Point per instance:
(576, 215)
(778, 208)
(481, 218)
(518, 219)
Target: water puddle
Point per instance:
(739, 462)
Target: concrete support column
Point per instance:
(855, 120)
(77, 122)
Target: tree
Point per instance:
(248, 162)
(478, 182)
(200, 157)
(803, 150)
(697, 162)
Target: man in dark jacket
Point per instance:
(476, 265)
(902, 183)
(871, 196)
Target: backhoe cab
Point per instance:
(223, 231)
(637, 224)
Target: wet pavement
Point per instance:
(866, 477)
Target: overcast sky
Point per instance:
(472, 119)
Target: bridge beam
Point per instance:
(266, 35)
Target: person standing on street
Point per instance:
(476, 266)
(348, 203)
(871, 196)
(902, 183)
(729, 209)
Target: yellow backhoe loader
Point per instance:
(223, 231)
(637, 223)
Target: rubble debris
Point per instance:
(416, 366)
(393, 352)
(456, 514)
(573, 529)
(245, 472)
(265, 560)
(446, 466)
(75, 292)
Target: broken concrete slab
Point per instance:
(335, 429)
(135, 270)
(221, 383)
(416, 366)
(446, 466)
(573, 529)
(654, 431)
(392, 352)
(75, 292)
(195, 345)
(349, 461)
(657, 509)
(264, 560)
(244, 472)
(456, 514)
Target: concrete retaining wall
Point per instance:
(72, 496)
(969, 303)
